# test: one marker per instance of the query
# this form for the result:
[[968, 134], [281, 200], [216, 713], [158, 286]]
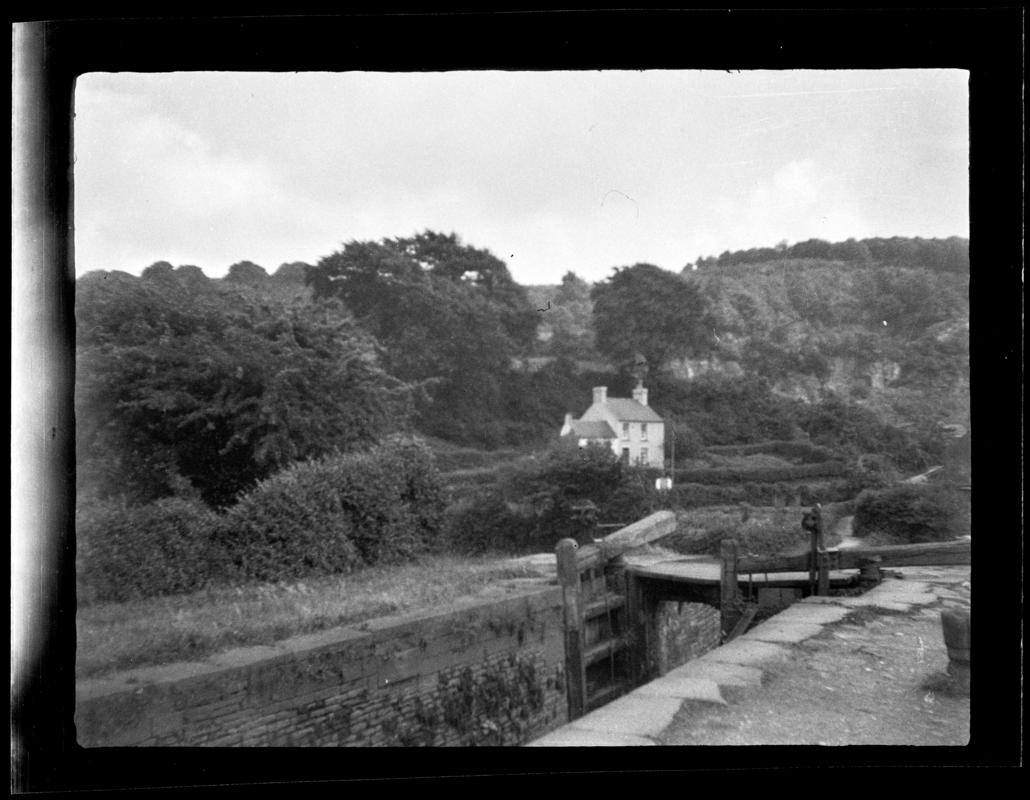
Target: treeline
[[949, 255], [196, 387], [260, 426]]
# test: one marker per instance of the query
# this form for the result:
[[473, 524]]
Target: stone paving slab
[[786, 632], [633, 715], [918, 599], [883, 602], [684, 688], [747, 653], [722, 674], [820, 600], [571, 736], [812, 614]]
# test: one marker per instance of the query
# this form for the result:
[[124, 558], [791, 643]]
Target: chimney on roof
[[601, 394], [640, 394], [568, 419]]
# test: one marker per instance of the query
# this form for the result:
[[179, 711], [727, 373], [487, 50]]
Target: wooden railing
[[820, 562], [603, 624]]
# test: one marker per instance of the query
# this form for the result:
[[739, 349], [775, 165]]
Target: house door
[[625, 455]]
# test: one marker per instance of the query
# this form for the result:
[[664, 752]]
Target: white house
[[630, 427]]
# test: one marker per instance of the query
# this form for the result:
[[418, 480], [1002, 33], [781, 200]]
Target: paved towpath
[[867, 669]]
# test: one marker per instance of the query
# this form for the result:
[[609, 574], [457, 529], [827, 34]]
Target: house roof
[[632, 411], [591, 429]]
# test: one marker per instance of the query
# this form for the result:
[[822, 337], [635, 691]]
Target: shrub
[[337, 513], [912, 513], [532, 506], [422, 493], [293, 524], [851, 430], [687, 442], [169, 546], [754, 537], [484, 523], [870, 472]]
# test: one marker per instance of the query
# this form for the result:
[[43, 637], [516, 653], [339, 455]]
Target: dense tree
[[449, 316], [570, 320], [726, 410], [293, 272], [194, 388], [646, 310], [853, 430], [478, 270], [248, 273], [945, 255]]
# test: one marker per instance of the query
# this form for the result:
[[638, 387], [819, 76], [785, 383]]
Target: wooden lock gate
[[609, 605], [604, 629]]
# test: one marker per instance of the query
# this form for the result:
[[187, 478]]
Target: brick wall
[[685, 631], [473, 673], [486, 672]]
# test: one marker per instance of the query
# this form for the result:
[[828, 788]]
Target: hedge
[[467, 458], [478, 476], [165, 547], [722, 476], [320, 517], [337, 513], [698, 495], [806, 451], [484, 522]]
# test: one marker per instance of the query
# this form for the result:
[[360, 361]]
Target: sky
[[550, 171]]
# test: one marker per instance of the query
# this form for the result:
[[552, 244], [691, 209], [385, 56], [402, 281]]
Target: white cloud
[[799, 201], [147, 187], [551, 171]]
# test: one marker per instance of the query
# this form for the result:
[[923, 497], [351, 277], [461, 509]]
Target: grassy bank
[[118, 636]]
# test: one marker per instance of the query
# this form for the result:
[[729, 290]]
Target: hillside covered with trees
[[213, 384], [198, 396]]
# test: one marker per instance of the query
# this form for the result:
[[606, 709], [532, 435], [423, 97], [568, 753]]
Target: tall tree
[[647, 310], [448, 315], [187, 386]]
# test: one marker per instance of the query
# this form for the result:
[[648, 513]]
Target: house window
[[643, 431], [625, 430], [643, 455]]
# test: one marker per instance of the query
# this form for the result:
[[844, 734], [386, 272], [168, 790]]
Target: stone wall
[[486, 672], [685, 632], [474, 673]]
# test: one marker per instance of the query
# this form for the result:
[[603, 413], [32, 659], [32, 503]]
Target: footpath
[[867, 669]]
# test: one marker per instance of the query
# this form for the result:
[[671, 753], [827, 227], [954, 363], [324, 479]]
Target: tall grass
[[117, 636], [759, 530]]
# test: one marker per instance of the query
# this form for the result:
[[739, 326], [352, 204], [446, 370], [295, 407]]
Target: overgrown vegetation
[[531, 507], [912, 513], [322, 517], [193, 387], [115, 636], [760, 531]]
